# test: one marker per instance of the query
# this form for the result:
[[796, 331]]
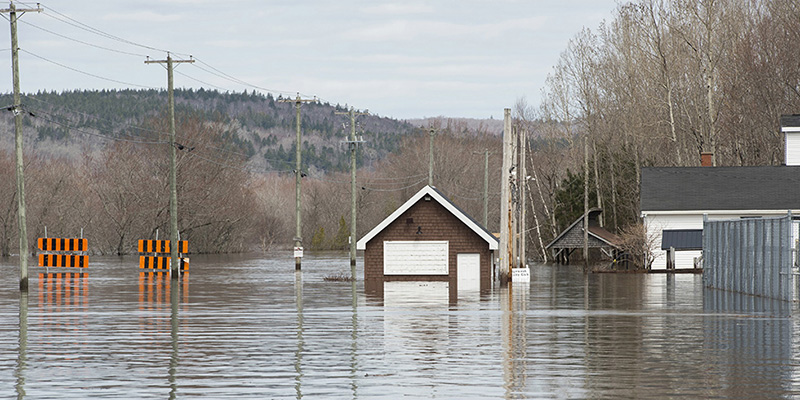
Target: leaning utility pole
[[298, 238], [17, 109], [352, 143], [175, 267]]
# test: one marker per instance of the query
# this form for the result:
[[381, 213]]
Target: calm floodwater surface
[[250, 327]]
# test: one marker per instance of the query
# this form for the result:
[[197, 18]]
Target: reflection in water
[[22, 358], [515, 338], [250, 333], [154, 287], [63, 289], [354, 341], [751, 340], [298, 354], [174, 296]]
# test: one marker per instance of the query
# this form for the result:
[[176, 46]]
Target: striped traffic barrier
[[63, 260], [161, 246], [63, 244], [161, 263], [63, 252], [154, 255]]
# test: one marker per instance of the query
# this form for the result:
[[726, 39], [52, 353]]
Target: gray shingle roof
[[720, 188], [792, 120]]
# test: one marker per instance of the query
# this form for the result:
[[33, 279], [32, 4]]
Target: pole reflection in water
[[298, 354], [515, 338], [153, 290], [174, 297], [22, 358], [354, 341]]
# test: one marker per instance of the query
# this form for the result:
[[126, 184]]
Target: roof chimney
[[706, 159]]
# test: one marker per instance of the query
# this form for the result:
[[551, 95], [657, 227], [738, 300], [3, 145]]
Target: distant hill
[[491, 126], [259, 126]]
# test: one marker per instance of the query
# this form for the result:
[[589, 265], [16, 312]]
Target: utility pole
[[17, 109], [353, 143], [515, 179], [298, 238], [523, 184], [430, 159], [175, 267], [505, 253]]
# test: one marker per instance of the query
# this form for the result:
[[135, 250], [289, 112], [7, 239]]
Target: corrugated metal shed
[[682, 239]]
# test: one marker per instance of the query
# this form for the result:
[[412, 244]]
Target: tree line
[[117, 193], [660, 83]]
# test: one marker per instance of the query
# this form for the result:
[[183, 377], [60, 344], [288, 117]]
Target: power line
[[92, 116], [39, 114], [86, 73], [80, 25], [83, 42], [216, 72], [396, 189], [182, 137], [210, 69]]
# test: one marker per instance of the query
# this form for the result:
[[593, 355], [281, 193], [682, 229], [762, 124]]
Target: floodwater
[[250, 327]]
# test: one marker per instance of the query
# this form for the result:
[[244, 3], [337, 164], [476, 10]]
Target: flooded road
[[250, 327]]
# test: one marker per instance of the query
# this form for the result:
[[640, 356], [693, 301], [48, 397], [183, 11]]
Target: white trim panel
[[416, 257], [792, 148], [428, 191]]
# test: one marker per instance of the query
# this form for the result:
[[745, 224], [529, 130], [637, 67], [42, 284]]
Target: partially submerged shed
[[571, 239], [429, 239]]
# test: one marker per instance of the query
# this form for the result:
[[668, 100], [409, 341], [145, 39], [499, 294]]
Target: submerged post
[[298, 174], [175, 267], [352, 144], [17, 110]]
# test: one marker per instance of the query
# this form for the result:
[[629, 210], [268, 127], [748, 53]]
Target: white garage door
[[415, 258], [469, 271]]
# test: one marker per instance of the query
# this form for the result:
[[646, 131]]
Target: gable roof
[[442, 200], [596, 232], [720, 188]]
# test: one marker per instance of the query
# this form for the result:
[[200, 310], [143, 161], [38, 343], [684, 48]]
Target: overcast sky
[[401, 59]]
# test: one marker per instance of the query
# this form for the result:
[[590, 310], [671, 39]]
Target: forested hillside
[[258, 126], [97, 162]]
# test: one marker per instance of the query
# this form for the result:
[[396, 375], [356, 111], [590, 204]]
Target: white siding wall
[[415, 258], [657, 222], [792, 148]]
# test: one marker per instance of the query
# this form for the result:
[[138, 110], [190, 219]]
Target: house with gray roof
[[673, 200]]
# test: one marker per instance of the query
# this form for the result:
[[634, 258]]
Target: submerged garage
[[429, 238]]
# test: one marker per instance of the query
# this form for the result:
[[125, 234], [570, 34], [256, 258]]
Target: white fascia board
[[789, 129], [714, 212], [427, 190]]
